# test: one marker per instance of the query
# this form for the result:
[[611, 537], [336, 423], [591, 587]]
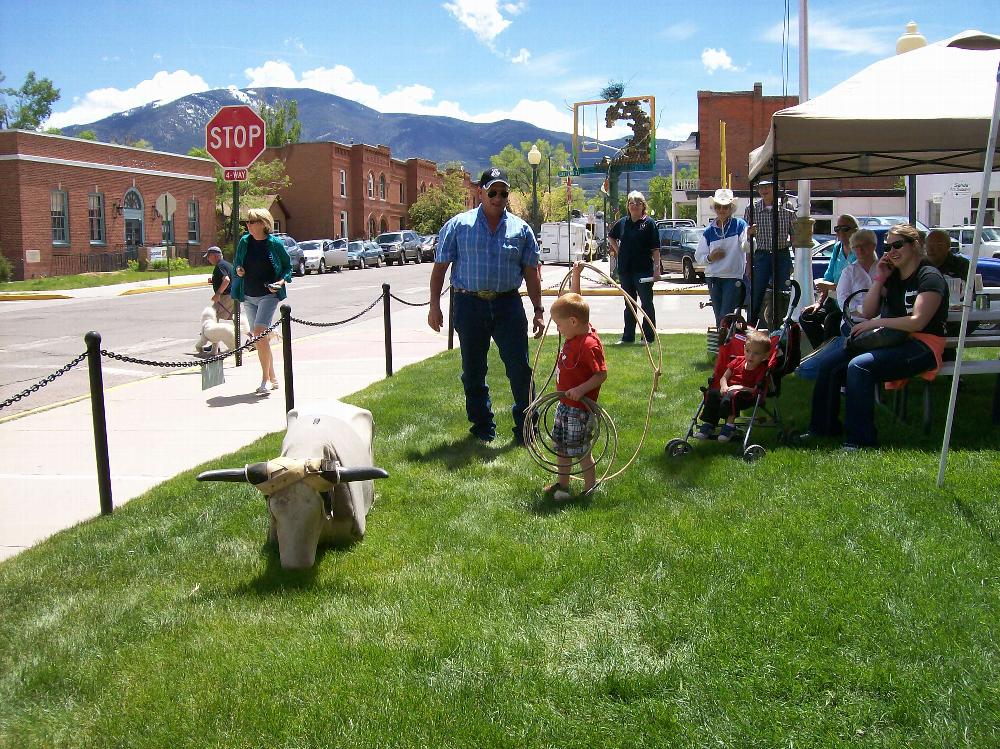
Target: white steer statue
[[321, 488]]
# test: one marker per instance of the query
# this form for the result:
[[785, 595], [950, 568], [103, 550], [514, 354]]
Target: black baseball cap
[[490, 176], [210, 250]]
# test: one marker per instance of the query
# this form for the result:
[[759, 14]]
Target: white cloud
[[543, 114], [103, 102], [828, 32], [680, 31], [717, 59], [486, 21], [676, 131]]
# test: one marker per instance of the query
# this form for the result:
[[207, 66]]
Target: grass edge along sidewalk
[[812, 597]]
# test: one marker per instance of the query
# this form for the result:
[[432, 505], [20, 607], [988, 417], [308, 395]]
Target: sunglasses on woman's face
[[898, 243], [254, 221], [502, 193], [844, 228]]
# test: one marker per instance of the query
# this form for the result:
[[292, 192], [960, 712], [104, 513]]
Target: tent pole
[[779, 197], [970, 281]]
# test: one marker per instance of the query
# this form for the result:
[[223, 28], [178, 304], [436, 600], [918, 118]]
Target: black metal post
[[387, 321], [93, 340], [451, 318], [286, 355], [234, 228], [911, 195]]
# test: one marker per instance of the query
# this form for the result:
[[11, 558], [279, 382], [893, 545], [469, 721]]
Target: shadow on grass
[[277, 580], [460, 452], [546, 505]]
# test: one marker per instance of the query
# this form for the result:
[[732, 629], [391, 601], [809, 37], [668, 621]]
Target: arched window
[[381, 186], [371, 185], [133, 199], [371, 227], [383, 226]]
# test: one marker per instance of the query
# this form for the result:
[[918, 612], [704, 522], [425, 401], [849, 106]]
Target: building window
[[401, 196], [991, 210], [371, 185], [423, 188], [343, 183], [194, 226], [59, 208], [95, 214], [371, 227], [343, 224], [402, 223], [381, 186], [277, 225]]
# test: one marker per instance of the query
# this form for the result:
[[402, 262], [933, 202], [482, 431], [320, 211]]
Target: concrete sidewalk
[[163, 425]]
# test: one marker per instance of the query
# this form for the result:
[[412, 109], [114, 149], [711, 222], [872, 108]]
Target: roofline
[[108, 145]]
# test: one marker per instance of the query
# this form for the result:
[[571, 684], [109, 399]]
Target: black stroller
[[784, 358]]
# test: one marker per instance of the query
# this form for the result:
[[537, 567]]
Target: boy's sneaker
[[726, 433], [704, 432]]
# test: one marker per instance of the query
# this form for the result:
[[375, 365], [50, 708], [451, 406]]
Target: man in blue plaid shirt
[[491, 252]]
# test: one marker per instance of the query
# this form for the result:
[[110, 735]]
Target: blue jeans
[[762, 277], [725, 294], [861, 373], [477, 321], [630, 285]]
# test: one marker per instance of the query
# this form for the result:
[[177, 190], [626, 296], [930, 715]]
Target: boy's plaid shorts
[[572, 430]]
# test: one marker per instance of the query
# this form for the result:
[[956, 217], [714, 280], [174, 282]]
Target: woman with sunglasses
[[635, 242], [907, 294], [821, 319], [262, 269]]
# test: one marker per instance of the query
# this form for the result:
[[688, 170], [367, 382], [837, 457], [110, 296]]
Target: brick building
[[354, 191], [69, 205], [747, 115]]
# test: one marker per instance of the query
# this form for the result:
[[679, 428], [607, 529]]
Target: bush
[[132, 264], [6, 269], [177, 263]]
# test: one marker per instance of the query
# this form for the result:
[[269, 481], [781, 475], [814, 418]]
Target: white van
[[964, 234], [560, 242]]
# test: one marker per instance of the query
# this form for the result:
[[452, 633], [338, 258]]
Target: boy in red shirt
[[581, 372], [736, 387]]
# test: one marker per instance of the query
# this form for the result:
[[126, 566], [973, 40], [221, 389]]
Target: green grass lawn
[[811, 599], [90, 280]]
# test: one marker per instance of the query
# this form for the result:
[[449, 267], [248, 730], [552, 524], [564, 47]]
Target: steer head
[[320, 489]]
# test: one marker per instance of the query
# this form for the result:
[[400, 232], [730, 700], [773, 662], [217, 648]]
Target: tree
[[87, 135], [432, 209], [32, 103], [281, 123], [659, 198], [52, 131]]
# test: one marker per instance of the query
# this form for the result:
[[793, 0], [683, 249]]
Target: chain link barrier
[[185, 364], [43, 382], [311, 324]]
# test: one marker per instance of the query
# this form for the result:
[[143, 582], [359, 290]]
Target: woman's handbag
[[876, 338]]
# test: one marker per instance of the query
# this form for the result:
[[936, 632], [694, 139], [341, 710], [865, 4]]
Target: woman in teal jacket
[[262, 269]]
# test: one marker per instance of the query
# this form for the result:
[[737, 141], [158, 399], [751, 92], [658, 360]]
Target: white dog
[[216, 332]]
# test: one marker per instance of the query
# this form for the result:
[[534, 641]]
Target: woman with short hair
[[907, 294], [721, 250], [262, 270], [635, 242]]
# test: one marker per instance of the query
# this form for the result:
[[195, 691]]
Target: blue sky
[[479, 60]]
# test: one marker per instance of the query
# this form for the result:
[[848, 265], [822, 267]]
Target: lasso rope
[[541, 445]]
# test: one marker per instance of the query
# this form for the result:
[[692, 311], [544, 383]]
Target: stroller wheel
[[754, 452], [678, 448]]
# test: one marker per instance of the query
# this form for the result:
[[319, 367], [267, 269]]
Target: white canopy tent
[[932, 110]]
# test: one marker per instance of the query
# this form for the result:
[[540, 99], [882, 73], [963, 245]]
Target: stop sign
[[234, 137]]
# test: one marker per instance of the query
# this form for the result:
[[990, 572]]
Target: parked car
[[677, 248], [873, 222], [330, 255], [400, 246], [373, 254], [356, 254], [294, 253], [673, 222], [428, 246], [962, 239]]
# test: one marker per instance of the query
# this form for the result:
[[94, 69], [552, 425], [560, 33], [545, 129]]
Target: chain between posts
[[43, 382], [310, 324], [184, 364]]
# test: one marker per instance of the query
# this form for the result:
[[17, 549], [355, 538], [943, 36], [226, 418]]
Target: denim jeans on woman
[[725, 294], [861, 373]]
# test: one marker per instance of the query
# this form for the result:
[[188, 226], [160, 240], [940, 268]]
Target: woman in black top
[[908, 294], [635, 242]]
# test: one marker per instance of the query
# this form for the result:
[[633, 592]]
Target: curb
[[15, 297], [150, 289]]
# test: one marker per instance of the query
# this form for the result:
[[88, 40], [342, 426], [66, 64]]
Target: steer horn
[[258, 473]]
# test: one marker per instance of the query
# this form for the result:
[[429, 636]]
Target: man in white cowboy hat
[[491, 252], [721, 251]]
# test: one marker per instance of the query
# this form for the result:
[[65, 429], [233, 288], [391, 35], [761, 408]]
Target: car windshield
[[991, 234], [355, 247], [311, 244], [690, 237], [389, 238]]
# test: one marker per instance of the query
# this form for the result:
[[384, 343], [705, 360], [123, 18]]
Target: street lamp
[[534, 158]]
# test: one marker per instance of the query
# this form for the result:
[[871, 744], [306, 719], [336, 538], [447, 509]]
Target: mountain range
[[179, 125]]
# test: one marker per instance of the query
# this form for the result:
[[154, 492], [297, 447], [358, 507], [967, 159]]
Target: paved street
[[39, 337]]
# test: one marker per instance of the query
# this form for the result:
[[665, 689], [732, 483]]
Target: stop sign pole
[[235, 137]]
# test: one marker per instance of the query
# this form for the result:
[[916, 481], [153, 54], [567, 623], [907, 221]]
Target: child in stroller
[[736, 388]]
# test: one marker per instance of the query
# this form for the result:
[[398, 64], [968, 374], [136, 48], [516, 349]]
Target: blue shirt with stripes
[[484, 260]]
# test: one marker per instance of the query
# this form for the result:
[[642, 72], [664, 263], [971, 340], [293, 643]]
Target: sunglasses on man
[[502, 193], [898, 243]]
